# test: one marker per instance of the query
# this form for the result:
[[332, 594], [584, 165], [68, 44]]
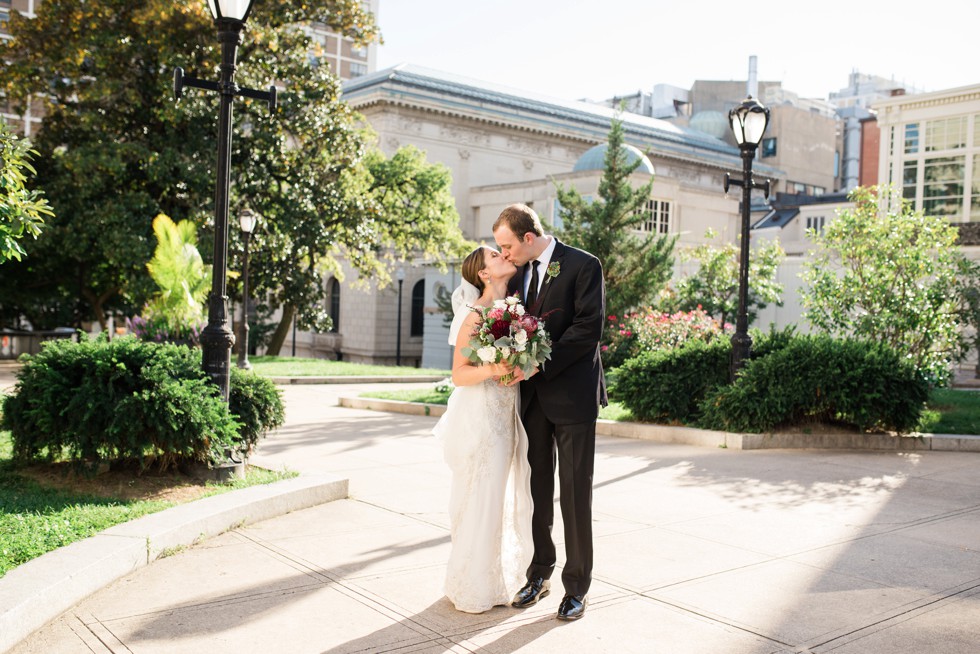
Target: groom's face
[[516, 250]]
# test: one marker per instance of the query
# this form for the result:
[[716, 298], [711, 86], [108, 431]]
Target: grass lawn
[[297, 367], [947, 412], [614, 411], [951, 411], [44, 507]]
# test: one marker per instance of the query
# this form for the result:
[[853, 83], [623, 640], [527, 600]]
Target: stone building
[[505, 146]]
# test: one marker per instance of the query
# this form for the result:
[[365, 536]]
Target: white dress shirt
[[543, 260]]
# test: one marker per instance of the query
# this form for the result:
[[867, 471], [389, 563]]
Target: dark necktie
[[532, 290]]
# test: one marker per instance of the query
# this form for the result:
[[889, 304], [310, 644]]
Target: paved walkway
[[698, 550]]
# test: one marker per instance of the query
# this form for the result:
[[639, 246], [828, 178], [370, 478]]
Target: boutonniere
[[554, 269]]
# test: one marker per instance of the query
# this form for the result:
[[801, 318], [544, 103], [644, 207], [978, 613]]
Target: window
[[797, 187], [910, 179], [4, 16], [942, 186], [947, 134], [418, 308], [333, 303], [911, 138], [769, 147], [815, 223], [358, 70], [975, 201], [658, 220]]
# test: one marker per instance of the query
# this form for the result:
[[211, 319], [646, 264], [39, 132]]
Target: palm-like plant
[[183, 279]]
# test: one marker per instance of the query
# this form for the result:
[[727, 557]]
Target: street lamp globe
[[230, 9], [749, 121], [247, 220]]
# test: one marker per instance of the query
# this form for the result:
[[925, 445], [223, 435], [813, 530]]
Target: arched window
[[333, 303], [418, 304]]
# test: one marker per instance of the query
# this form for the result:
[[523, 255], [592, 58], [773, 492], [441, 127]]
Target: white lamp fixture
[[230, 9], [247, 219], [749, 121]]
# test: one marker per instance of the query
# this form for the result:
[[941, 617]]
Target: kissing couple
[[503, 437]]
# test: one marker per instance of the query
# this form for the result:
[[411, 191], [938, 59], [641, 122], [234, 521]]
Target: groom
[[559, 403]]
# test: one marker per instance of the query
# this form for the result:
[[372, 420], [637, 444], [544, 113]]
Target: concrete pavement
[[697, 550]]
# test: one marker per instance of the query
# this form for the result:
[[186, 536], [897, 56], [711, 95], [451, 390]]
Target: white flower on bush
[[487, 354], [520, 340]]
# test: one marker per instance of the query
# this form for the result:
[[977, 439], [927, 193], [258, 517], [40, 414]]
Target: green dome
[[595, 159]]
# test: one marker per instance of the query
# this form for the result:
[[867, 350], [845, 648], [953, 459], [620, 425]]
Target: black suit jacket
[[571, 385]]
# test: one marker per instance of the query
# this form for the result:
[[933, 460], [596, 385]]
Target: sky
[[589, 49]]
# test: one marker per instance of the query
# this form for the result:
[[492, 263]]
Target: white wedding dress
[[485, 446]]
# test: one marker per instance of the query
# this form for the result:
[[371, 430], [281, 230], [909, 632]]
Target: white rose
[[511, 300], [520, 340], [499, 304], [505, 352], [487, 354], [519, 309]]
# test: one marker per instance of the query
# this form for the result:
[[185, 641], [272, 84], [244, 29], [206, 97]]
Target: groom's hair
[[521, 219], [472, 265]]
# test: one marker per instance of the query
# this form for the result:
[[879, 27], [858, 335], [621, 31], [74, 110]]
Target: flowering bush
[[157, 330], [507, 333], [651, 331]]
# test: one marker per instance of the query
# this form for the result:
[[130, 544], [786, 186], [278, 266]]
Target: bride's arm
[[465, 372]]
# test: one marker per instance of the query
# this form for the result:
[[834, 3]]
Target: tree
[[968, 294], [714, 285], [117, 151], [885, 272], [21, 209], [635, 267]]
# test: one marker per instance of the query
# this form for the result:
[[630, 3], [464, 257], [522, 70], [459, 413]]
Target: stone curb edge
[[707, 438], [381, 379], [33, 594]]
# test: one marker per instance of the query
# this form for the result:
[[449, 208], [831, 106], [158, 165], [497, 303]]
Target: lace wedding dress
[[485, 446]]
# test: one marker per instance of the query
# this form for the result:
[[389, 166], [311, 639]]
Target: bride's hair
[[474, 262]]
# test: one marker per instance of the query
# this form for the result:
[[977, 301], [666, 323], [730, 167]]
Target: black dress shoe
[[572, 607], [533, 590]]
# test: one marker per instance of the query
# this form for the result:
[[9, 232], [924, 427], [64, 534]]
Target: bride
[[486, 450]]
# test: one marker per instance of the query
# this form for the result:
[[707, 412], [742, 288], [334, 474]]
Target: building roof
[[414, 85], [777, 218]]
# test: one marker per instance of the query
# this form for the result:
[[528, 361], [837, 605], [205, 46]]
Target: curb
[[33, 594], [732, 441], [381, 379]]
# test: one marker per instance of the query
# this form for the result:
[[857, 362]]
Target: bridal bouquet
[[507, 333]]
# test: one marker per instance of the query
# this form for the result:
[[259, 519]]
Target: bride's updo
[[474, 262]]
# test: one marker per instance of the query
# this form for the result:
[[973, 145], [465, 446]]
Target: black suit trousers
[[573, 447]]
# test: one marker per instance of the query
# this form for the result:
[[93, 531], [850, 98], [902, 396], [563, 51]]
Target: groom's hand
[[519, 376]]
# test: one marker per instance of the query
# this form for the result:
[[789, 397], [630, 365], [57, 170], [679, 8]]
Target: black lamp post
[[217, 337], [247, 221], [749, 121], [400, 276]]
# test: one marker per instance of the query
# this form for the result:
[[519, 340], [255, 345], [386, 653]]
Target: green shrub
[[667, 384], [98, 400], [257, 405], [817, 378]]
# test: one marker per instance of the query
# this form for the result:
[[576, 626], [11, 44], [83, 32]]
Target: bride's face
[[495, 264]]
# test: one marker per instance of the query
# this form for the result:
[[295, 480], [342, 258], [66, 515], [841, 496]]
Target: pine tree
[[636, 266]]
